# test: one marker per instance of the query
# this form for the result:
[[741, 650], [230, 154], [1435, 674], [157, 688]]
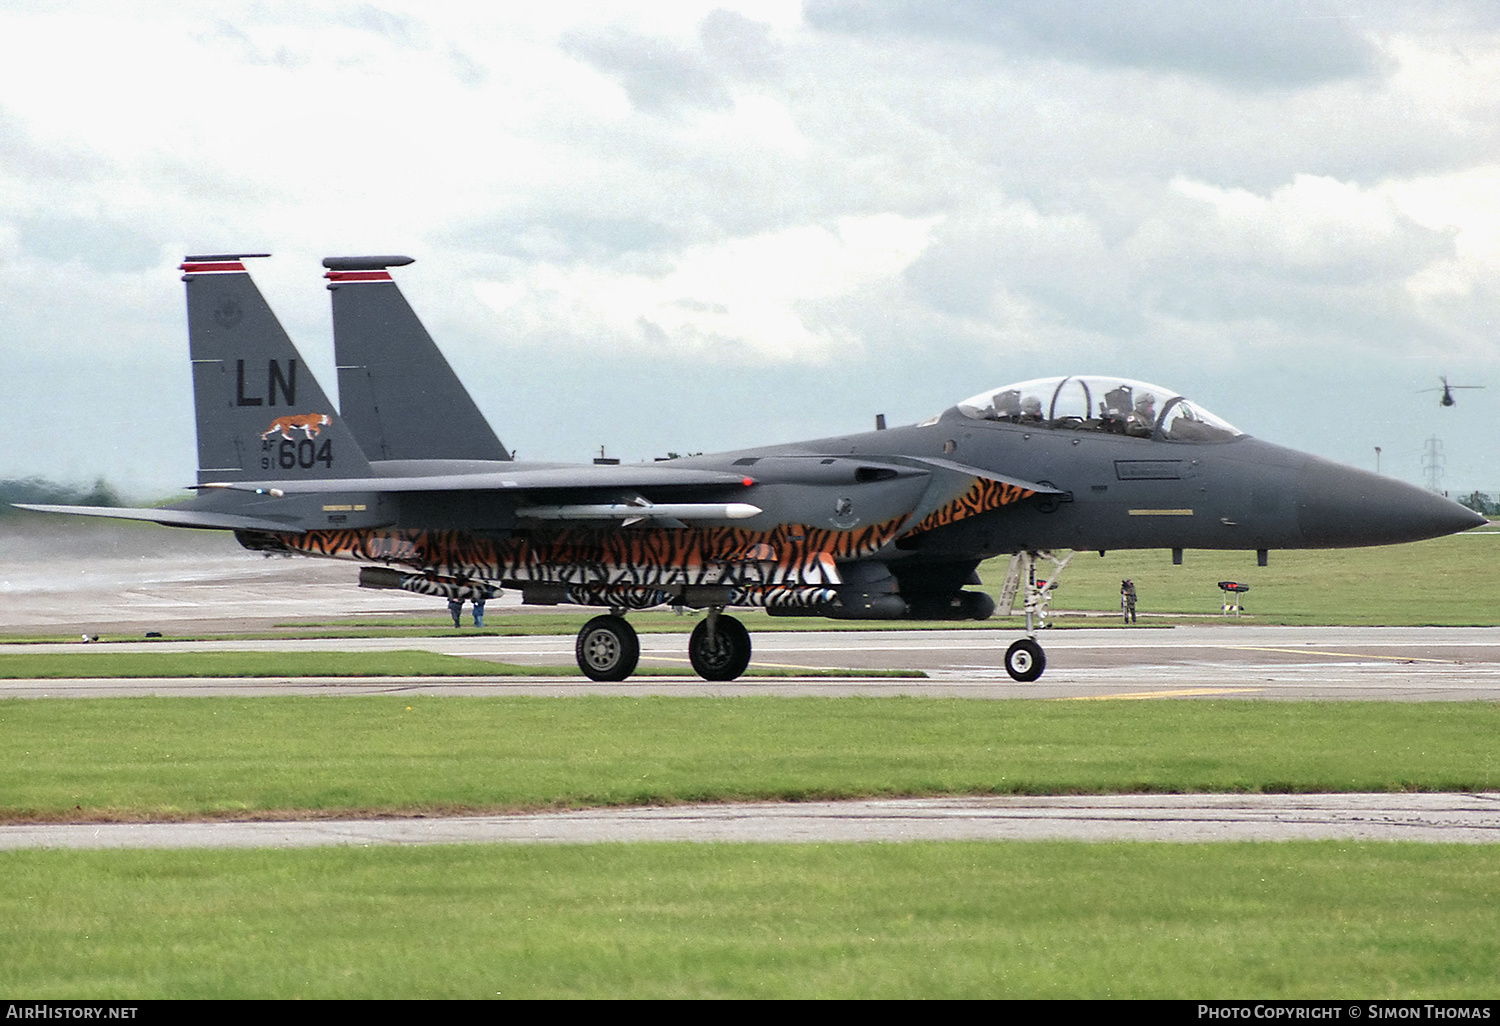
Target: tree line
[[39, 489]]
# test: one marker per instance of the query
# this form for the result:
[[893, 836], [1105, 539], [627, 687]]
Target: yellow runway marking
[[1179, 693], [1345, 655]]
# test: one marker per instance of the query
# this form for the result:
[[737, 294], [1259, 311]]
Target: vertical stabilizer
[[261, 414], [396, 391]]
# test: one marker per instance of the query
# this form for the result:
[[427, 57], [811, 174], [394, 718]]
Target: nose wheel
[[607, 648], [1025, 661]]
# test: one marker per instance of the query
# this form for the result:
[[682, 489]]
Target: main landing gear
[[608, 648], [719, 648], [1025, 660]]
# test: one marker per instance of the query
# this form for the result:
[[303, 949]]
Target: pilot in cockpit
[[1114, 410], [1031, 410], [1142, 420], [1007, 405]]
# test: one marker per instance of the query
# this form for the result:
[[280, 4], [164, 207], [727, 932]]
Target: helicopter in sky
[[1447, 390]]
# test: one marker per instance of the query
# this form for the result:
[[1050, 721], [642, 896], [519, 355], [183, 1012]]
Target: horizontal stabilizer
[[169, 517]]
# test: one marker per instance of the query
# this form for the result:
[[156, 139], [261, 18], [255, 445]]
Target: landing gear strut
[[607, 648], [1025, 660], [719, 648]]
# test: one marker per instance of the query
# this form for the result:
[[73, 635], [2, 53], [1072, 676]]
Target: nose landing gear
[[1025, 660]]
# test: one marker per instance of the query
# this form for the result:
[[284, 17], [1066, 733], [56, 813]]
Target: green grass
[[1046, 920], [1448, 581], [142, 758]]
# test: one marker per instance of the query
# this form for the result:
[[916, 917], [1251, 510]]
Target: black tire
[[729, 654], [1025, 661], [607, 648]]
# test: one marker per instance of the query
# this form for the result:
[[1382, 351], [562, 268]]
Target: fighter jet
[[887, 524]]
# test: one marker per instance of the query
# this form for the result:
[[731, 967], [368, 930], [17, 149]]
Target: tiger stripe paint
[[789, 555], [791, 565], [982, 497]]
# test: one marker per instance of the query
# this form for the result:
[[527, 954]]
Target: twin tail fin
[[261, 414], [398, 394]]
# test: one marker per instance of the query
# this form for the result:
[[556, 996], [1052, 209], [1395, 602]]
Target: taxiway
[[1451, 818]]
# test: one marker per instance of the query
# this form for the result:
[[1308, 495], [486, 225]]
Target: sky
[[691, 227]]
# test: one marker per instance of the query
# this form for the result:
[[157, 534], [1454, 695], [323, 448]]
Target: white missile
[[633, 512]]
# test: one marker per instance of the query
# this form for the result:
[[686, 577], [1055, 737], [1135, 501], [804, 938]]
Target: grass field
[[1447, 581], [143, 758], [1290, 920]]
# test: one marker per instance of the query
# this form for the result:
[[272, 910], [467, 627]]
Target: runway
[[1191, 662], [1438, 818]]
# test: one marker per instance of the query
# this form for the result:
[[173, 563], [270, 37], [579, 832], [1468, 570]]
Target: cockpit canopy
[[1109, 405]]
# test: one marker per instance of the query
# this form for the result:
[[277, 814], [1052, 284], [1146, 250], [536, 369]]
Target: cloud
[[1246, 44], [675, 199], [656, 75], [94, 242], [744, 299], [660, 76], [1206, 272], [1314, 227], [567, 237], [737, 45], [402, 29]]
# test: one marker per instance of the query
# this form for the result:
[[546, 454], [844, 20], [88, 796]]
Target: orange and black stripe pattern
[[789, 554], [982, 497], [758, 564]]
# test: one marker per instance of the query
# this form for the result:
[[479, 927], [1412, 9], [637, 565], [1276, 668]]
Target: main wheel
[[607, 648], [726, 657], [1024, 660]]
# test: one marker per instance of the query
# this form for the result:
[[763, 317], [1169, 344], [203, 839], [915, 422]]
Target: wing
[[169, 516]]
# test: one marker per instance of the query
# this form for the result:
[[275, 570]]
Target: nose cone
[[1339, 506]]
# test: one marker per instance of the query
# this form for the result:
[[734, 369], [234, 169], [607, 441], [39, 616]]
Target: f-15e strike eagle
[[408, 478]]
